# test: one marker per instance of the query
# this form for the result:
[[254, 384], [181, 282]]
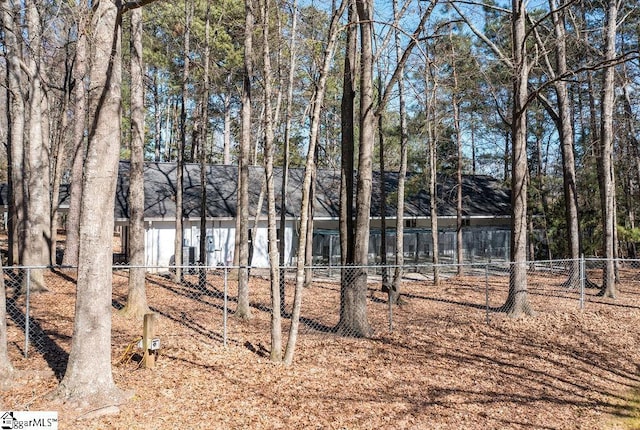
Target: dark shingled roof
[[482, 196], [63, 197]]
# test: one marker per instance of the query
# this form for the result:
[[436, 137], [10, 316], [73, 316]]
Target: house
[[486, 214]]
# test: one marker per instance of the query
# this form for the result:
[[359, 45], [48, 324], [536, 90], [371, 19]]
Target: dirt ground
[[440, 365]]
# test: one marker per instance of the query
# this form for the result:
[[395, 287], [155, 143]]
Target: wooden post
[[148, 332]]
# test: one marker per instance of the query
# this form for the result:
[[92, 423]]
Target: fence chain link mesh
[[335, 300]]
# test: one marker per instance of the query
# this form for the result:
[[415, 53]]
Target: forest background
[[542, 94]]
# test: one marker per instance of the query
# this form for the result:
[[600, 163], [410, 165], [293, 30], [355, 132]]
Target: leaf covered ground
[[443, 363]]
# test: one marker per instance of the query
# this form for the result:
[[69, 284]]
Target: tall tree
[[226, 149], [274, 258], [383, 197], [518, 300], [606, 152], [397, 78], [309, 172], [157, 114], [37, 213], [287, 147], [58, 123], [633, 150], [204, 133], [394, 291], [562, 117], [431, 85], [179, 239], [15, 136], [243, 309], [136, 305], [353, 306], [70, 257], [348, 142], [89, 379], [456, 103]]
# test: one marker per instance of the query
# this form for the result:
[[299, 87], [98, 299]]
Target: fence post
[[148, 333], [583, 274], [390, 309], [330, 254], [224, 310], [486, 290], [26, 316]]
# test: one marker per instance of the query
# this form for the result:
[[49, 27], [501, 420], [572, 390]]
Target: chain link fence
[[24, 328], [351, 300]]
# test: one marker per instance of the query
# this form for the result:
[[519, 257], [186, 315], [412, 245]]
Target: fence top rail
[[416, 265]]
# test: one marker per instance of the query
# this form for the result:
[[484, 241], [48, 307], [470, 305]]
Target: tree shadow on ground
[[531, 371], [193, 292], [477, 306], [54, 355], [197, 292]]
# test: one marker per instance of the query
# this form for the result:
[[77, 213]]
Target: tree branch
[[483, 37], [403, 60], [134, 4]]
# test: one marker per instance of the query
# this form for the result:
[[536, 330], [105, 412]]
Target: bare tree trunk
[[352, 242], [634, 157], [459, 242], [532, 251], [285, 151], [157, 117], [606, 155], [6, 368], [274, 258], [455, 101], [348, 142], [433, 162], [38, 211], [257, 133], [279, 87], [347, 162], [204, 134], [226, 150], [394, 292], [256, 218], [473, 146], [567, 145], [58, 166], [507, 151], [308, 257], [196, 128], [79, 126], [309, 171], [88, 379], [433, 193], [383, 200], [15, 152], [564, 124], [518, 301], [136, 305], [243, 310], [179, 238], [172, 123], [353, 310], [542, 204]]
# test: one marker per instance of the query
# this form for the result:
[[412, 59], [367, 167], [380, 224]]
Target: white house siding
[[260, 257], [160, 237]]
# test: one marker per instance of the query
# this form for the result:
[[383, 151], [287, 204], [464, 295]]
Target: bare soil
[[444, 363]]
